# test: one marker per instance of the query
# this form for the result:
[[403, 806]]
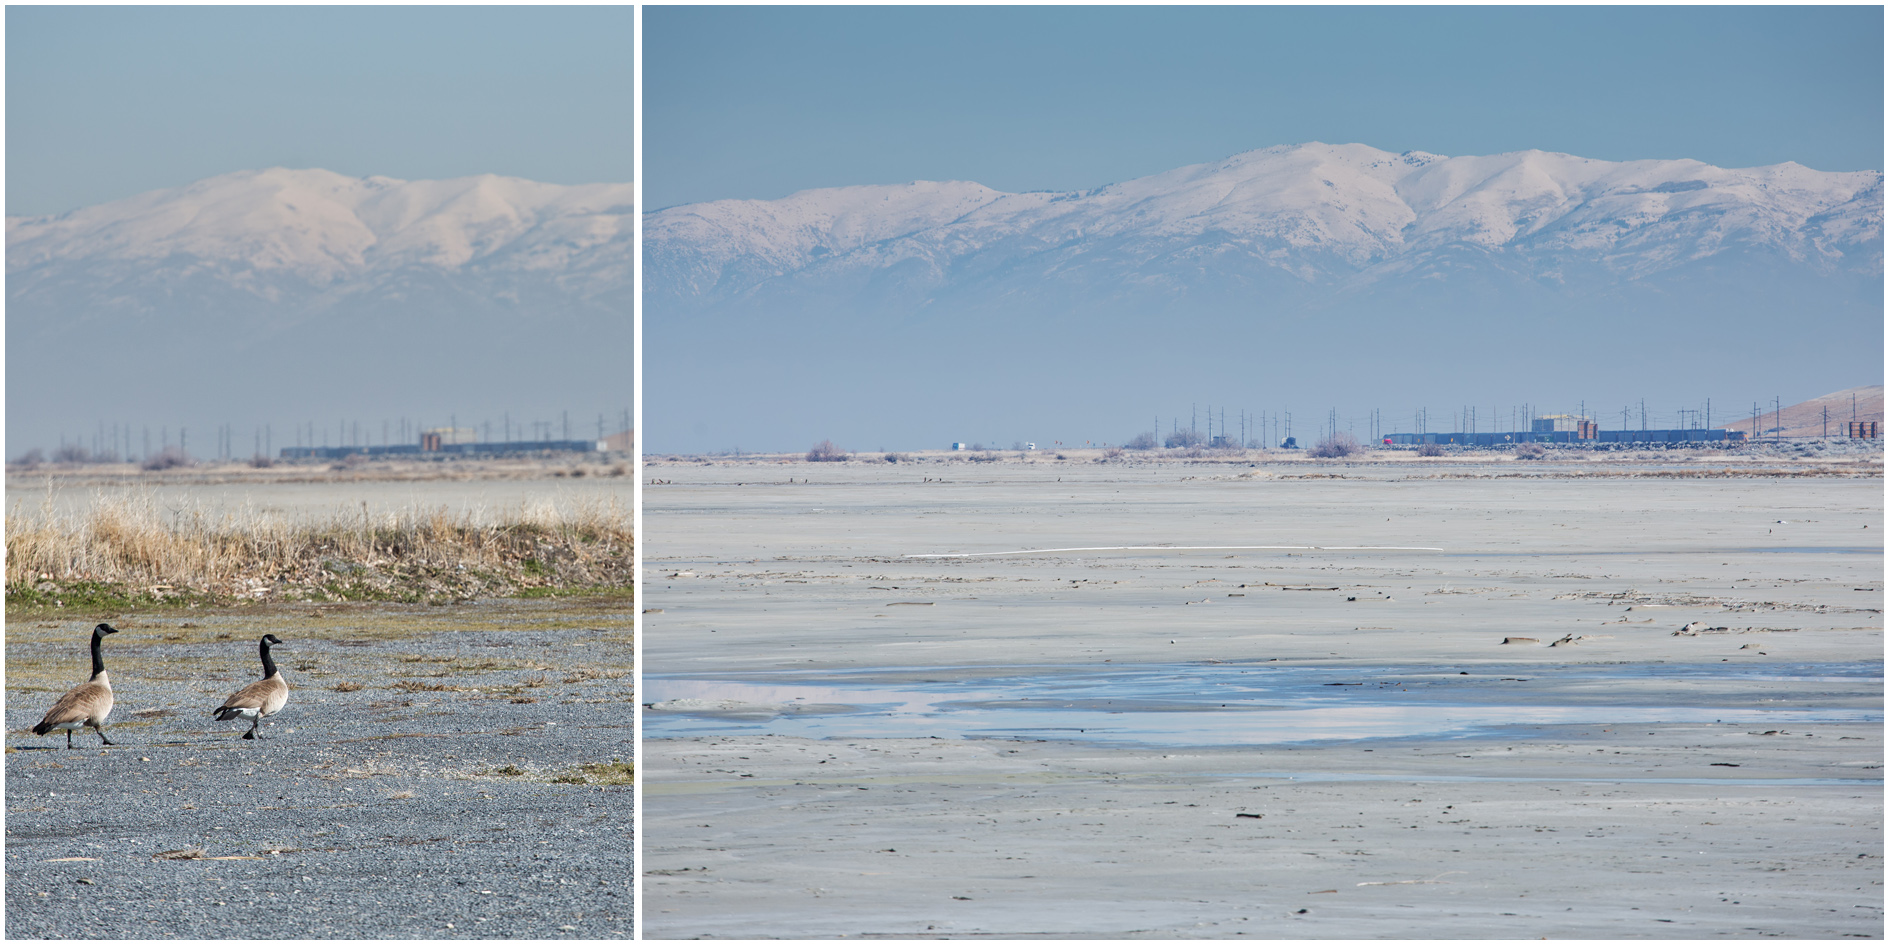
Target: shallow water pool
[[1227, 704]]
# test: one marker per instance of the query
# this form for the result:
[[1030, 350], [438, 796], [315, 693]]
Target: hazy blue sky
[[763, 101], [106, 102]]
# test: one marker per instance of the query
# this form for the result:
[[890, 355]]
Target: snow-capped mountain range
[[1338, 275], [312, 292], [316, 230], [1320, 214]]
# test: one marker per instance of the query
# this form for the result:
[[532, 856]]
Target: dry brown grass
[[586, 674], [414, 685], [127, 541]]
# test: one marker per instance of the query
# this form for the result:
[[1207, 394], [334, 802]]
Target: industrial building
[[442, 442], [1583, 432]]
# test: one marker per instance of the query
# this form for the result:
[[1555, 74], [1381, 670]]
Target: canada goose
[[87, 703], [260, 699]]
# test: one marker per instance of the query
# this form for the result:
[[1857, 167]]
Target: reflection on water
[[1230, 704]]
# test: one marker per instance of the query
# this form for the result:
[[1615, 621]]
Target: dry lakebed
[[1106, 700]]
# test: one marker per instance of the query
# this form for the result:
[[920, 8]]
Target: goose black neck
[[268, 662], [98, 661]]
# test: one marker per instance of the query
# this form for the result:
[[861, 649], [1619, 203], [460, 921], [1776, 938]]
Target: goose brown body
[[88, 703], [260, 699]]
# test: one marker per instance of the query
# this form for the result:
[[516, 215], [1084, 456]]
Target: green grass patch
[[606, 591], [611, 774], [49, 597]]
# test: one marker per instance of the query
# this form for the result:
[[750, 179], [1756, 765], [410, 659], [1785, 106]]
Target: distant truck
[[1289, 443]]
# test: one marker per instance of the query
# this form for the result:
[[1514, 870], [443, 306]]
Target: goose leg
[[68, 738], [100, 729], [253, 723]]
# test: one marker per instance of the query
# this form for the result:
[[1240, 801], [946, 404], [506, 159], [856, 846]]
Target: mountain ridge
[[1320, 213], [260, 295], [322, 227], [1339, 275]]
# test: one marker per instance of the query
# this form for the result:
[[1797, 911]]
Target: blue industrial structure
[[440, 450], [1566, 436]]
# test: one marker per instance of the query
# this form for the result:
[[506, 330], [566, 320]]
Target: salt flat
[[846, 741]]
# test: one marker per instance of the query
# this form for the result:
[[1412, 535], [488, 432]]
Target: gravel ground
[[395, 810]]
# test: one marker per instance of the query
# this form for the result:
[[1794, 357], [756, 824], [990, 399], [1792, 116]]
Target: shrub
[[1112, 453], [260, 461], [1143, 441], [897, 458], [168, 458], [72, 453], [826, 452], [1529, 451], [32, 458], [1185, 438], [1336, 446], [1430, 449]]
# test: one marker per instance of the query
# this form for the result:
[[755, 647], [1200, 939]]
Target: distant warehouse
[[1566, 435], [1563, 428], [444, 442]]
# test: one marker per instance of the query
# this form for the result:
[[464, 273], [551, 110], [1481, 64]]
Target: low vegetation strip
[[125, 549]]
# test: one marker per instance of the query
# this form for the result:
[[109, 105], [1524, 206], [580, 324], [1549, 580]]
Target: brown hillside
[[1807, 418]]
